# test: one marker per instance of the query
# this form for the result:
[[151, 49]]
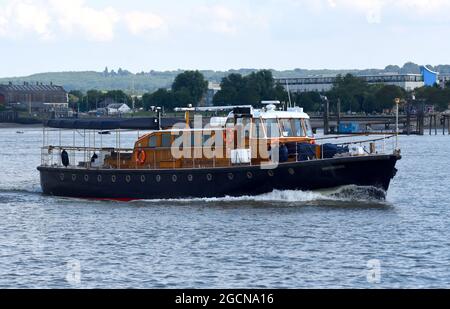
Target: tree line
[[190, 87]]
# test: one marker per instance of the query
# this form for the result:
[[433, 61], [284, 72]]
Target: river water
[[341, 238]]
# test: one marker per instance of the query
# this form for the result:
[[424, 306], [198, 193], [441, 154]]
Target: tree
[[231, 88], [160, 98], [249, 90], [193, 86], [385, 97], [91, 100], [352, 91], [435, 96], [119, 96], [310, 101], [75, 98]]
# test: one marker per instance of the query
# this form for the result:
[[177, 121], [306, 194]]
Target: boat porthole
[[74, 177], [190, 178], [230, 176], [249, 175], [61, 176], [291, 171], [113, 178], [99, 178], [174, 178], [158, 178], [86, 178], [271, 173], [142, 178], [128, 178], [209, 177]]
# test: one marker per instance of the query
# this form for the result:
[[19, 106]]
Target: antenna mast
[[289, 93]]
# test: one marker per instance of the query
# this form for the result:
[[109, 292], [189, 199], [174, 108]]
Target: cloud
[[20, 17], [56, 18], [373, 9], [219, 18], [141, 22], [230, 20], [75, 15]]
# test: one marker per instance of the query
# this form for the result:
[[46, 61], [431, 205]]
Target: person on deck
[[94, 157], [65, 158]]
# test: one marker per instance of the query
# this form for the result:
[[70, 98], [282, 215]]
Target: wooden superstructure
[[257, 131]]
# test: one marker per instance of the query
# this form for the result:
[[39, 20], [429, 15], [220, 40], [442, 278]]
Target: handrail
[[367, 141], [71, 148], [351, 135]]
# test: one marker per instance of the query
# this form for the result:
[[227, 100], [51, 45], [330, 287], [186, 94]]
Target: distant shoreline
[[8, 125]]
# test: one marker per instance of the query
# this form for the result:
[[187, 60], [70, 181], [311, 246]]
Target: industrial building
[[408, 82], [34, 97]]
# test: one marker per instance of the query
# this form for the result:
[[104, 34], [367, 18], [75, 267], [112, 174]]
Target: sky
[[142, 35]]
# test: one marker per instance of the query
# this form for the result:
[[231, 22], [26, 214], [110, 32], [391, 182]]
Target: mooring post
[[422, 123], [338, 116], [443, 124], [408, 119], [431, 123], [326, 119], [435, 125], [448, 123]]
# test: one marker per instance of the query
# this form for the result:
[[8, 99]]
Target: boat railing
[[96, 158], [83, 157]]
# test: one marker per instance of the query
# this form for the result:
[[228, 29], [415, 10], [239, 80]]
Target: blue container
[[351, 127]]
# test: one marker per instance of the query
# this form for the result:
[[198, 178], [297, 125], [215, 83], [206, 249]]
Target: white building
[[408, 82], [118, 109]]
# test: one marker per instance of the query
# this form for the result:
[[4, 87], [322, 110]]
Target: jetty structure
[[249, 152]]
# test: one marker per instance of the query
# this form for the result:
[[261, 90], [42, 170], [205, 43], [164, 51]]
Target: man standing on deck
[[65, 158]]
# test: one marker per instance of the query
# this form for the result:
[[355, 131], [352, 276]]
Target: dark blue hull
[[376, 171]]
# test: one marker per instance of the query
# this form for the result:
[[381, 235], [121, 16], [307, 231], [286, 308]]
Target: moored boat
[[254, 151]]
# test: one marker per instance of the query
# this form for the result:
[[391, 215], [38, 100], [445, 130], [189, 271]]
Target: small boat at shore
[[252, 152]]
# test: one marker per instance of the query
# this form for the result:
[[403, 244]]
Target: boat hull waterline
[[375, 171]]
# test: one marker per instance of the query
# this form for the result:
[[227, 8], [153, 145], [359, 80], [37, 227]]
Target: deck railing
[[122, 158]]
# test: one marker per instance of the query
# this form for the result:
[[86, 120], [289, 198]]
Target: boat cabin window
[[244, 124], [153, 141], [257, 130], [308, 128], [286, 128], [298, 128], [166, 140], [272, 128]]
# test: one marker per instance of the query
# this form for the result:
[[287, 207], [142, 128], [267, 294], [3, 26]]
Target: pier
[[417, 124]]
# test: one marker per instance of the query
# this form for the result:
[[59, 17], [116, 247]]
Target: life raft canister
[[141, 156]]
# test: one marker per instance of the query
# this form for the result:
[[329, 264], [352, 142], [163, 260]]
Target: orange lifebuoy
[[141, 157]]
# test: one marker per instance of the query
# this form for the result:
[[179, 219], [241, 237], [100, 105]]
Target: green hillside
[[150, 81]]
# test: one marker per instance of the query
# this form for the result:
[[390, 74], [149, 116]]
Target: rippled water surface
[[279, 240]]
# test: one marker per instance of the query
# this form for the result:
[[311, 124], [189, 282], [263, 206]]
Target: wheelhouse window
[[257, 130], [298, 128], [153, 141], [166, 140], [243, 124], [272, 128], [286, 128], [308, 128]]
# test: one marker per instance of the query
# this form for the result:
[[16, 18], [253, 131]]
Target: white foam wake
[[346, 193]]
